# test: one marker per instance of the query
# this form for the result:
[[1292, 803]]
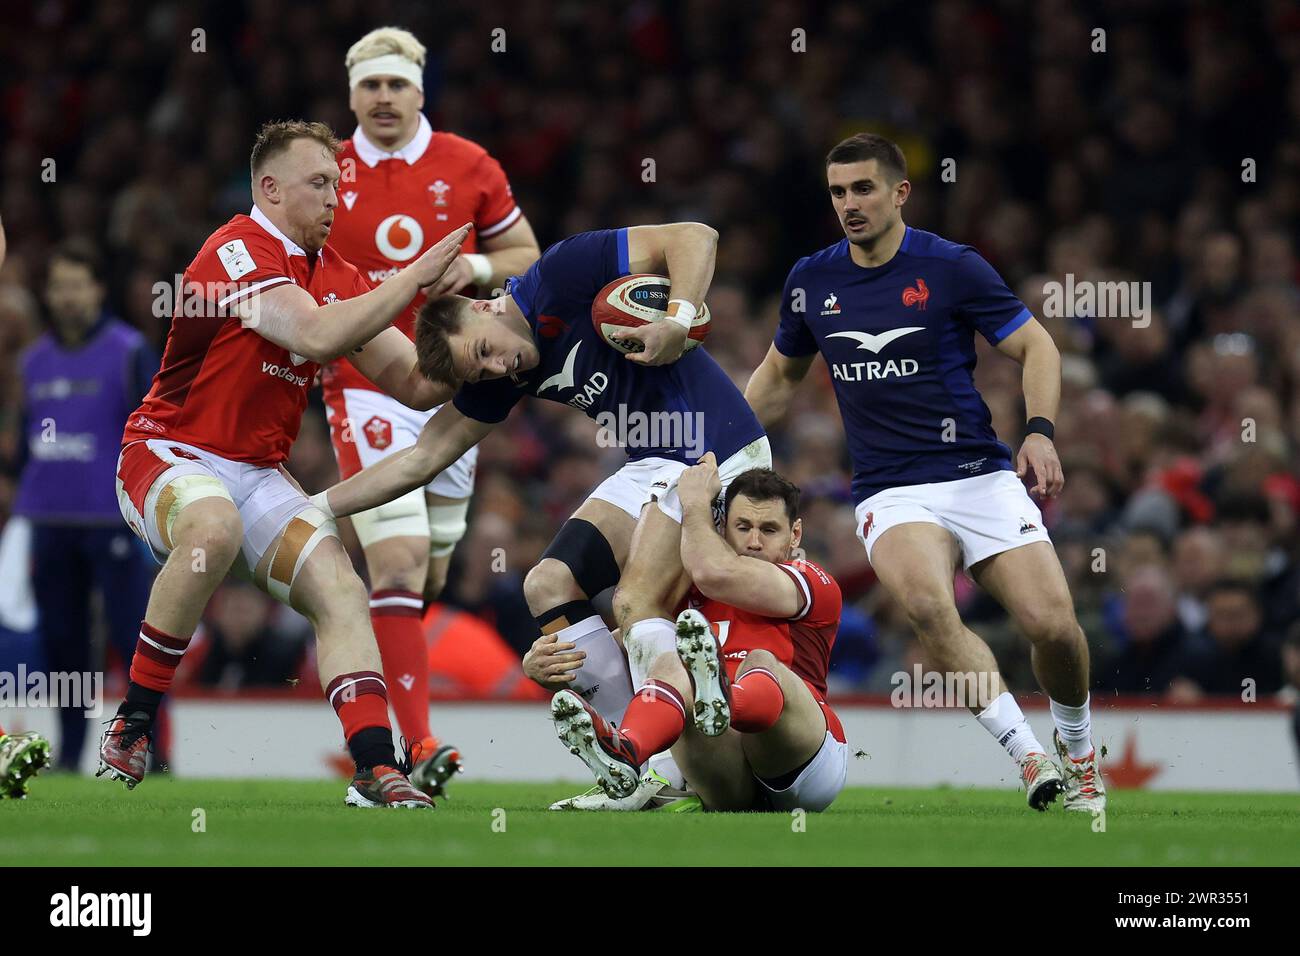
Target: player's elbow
[[1044, 343], [1031, 344], [710, 580], [702, 232], [316, 343], [418, 393]]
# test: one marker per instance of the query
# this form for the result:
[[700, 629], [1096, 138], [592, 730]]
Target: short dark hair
[[861, 147], [437, 319], [274, 138], [80, 252], [764, 484], [1232, 585]]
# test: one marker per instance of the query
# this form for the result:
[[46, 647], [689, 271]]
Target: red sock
[[756, 701], [361, 700], [153, 665], [395, 616], [655, 719]]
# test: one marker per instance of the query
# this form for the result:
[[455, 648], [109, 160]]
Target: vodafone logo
[[284, 372], [399, 238]]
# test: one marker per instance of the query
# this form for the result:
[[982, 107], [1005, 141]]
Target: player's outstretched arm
[[506, 254], [1032, 346], [288, 316], [685, 252], [773, 384], [445, 437], [389, 360], [716, 570]]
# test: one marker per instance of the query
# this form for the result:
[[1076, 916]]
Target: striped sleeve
[[498, 210], [805, 591], [244, 263]]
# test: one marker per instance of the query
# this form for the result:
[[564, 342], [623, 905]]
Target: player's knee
[[396, 569], [549, 584], [1050, 625], [932, 616], [212, 530], [760, 658]]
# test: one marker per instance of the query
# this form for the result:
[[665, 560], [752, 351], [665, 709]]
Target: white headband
[[391, 64]]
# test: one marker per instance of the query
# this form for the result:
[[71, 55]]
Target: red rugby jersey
[[394, 206], [803, 643], [222, 386]]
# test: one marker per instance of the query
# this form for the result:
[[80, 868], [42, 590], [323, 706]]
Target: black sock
[[140, 699], [372, 747]]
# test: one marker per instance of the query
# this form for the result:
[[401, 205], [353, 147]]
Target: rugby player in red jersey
[[201, 474], [405, 187], [742, 702]]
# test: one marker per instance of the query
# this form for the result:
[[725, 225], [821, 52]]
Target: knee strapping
[[180, 492], [400, 518], [292, 549], [447, 524], [583, 549]]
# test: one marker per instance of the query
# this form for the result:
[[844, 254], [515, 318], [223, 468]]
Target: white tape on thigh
[[400, 518], [174, 496], [447, 524], [292, 549]]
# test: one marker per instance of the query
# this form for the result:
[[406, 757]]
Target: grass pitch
[[75, 821]]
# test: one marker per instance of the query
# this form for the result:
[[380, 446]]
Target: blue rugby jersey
[[899, 340], [579, 368]]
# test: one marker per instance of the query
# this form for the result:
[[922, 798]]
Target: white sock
[[1005, 721], [1074, 726], [603, 679], [645, 642]]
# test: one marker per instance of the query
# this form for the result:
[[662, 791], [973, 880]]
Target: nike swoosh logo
[[564, 378], [874, 343]]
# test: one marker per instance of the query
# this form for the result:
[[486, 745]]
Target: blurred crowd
[[1170, 157]]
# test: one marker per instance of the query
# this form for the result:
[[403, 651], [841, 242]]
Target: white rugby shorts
[[988, 514]]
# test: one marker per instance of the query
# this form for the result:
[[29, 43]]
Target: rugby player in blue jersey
[[539, 340], [894, 311]]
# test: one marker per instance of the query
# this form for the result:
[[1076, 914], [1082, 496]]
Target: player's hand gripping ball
[[634, 302]]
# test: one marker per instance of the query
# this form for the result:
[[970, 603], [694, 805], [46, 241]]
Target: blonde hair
[[275, 138], [386, 41]]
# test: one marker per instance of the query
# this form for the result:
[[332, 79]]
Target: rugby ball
[[637, 300]]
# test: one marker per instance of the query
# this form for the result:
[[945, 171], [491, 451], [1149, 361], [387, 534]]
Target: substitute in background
[[79, 381]]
